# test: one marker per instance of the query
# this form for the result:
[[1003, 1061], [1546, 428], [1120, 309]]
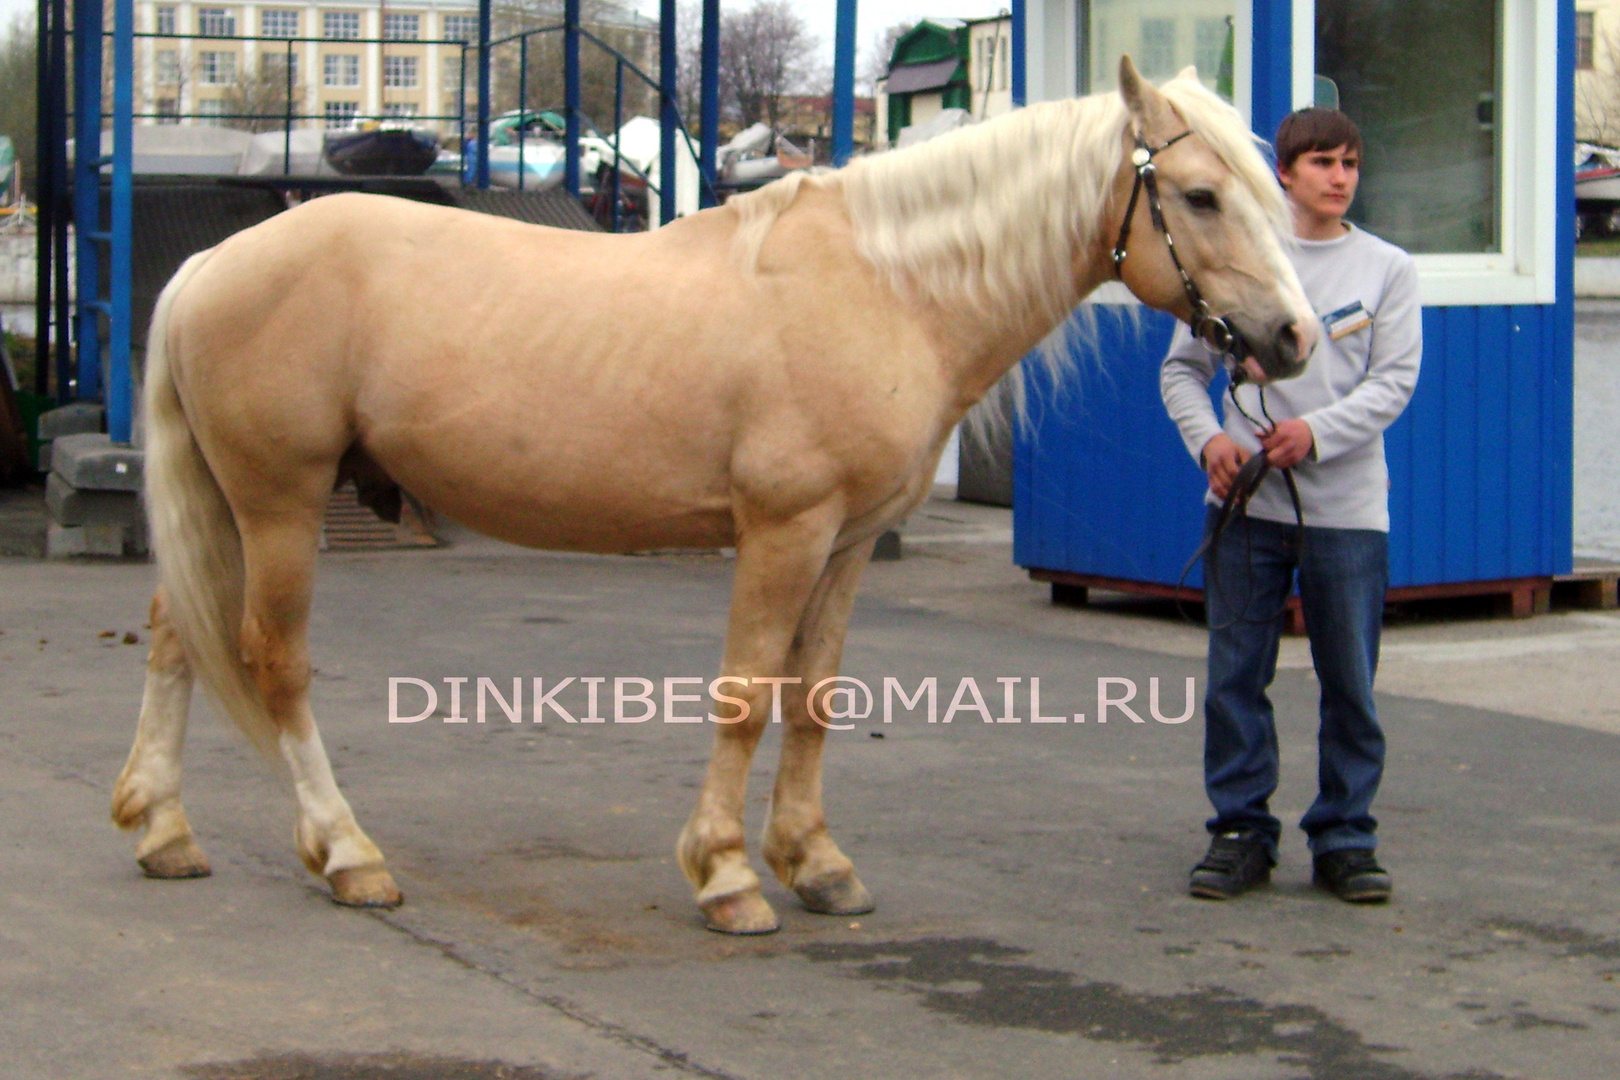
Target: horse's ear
[[1190, 73], [1130, 84], [1142, 98]]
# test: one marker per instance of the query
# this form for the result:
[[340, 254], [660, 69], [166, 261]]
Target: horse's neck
[[996, 243]]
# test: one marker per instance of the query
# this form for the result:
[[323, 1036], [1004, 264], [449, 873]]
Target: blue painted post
[[571, 94], [1272, 96], [120, 393], [87, 27], [523, 106], [668, 63], [843, 93], [481, 162], [1019, 43], [709, 97]]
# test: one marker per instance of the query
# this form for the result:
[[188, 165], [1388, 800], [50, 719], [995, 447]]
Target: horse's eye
[[1202, 199]]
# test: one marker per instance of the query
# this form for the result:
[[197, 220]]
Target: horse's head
[[1224, 218]]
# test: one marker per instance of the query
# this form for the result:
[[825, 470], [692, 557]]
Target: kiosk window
[[1428, 113], [1162, 36]]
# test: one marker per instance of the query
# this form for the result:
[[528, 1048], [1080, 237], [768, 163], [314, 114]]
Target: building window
[[402, 27], [399, 109], [1585, 37], [341, 114], [1157, 43], [216, 22], [276, 67], [1005, 61], [168, 110], [167, 67], [1158, 48], [340, 70], [340, 25], [1209, 46], [216, 68], [278, 24], [209, 111], [399, 72], [461, 27], [165, 20]]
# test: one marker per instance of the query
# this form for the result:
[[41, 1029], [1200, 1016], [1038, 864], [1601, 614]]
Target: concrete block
[[77, 418], [66, 541], [93, 463], [69, 506]]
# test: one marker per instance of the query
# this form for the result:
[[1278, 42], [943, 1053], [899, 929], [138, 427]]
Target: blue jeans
[[1343, 575]]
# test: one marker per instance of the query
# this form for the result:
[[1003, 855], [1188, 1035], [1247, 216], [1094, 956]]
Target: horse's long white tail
[[194, 535]]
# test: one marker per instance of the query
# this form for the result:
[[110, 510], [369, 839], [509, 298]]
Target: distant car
[[1597, 191]]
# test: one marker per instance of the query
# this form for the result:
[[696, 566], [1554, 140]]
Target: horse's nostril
[[1290, 342]]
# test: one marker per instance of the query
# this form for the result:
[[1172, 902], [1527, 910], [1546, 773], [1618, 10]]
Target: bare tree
[[18, 55], [259, 98], [766, 53], [877, 61], [606, 21], [1597, 96]]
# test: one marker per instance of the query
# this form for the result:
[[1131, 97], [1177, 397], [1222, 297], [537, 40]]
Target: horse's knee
[[167, 653], [279, 667]]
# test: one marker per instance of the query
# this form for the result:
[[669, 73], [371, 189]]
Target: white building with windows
[[339, 62]]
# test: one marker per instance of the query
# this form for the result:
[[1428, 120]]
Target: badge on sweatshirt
[[1347, 320]]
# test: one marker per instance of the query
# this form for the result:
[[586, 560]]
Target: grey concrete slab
[[68, 505], [74, 418], [1031, 920], [95, 463]]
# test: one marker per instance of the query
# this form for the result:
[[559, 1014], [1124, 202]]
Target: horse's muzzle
[[1279, 352]]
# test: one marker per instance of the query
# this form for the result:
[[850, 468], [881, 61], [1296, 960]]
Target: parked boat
[[382, 151]]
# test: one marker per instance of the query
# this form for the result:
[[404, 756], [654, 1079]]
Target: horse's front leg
[[778, 566], [797, 845], [148, 790]]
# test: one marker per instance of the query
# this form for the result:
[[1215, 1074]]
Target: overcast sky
[[875, 15]]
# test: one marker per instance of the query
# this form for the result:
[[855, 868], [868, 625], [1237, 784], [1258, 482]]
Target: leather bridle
[[1218, 332]]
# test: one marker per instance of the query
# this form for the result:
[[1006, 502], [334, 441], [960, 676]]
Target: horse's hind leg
[[279, 560], [778, 566], [148, 790], [797, 845]]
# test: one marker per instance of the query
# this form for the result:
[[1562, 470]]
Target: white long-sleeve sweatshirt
[[1353, 387]]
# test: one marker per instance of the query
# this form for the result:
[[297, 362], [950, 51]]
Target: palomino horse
[[779, 375]]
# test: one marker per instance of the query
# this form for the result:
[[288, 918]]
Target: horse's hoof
[[179, 858], [840, 896], [744, 912], [367, 887]]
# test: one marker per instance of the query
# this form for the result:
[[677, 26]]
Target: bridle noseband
[[1217, 332]]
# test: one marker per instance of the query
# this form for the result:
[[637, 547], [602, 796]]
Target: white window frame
[[336, 67], [446, 28], [401, 73], [164, 20], [216, 22], [270, 16], [340, 20], [401, 21], [216, 67], [1525, 270]]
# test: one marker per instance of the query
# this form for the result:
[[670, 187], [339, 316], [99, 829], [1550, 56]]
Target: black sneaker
[[1237, 861], [1352, 874]]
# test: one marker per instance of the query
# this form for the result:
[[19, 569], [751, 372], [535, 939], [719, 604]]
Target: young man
[[1327, 426]]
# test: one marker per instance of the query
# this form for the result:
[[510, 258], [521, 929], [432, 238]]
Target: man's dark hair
[[1315, 129]]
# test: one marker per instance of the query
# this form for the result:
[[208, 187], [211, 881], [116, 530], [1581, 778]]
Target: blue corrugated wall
[[1481, 464]]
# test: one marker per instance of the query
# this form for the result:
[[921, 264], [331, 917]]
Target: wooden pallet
[[350, 526], [1593, 586]]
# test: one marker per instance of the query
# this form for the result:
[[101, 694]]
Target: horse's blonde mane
[[999, 212]]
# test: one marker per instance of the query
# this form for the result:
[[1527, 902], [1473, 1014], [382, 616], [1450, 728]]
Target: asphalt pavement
[[1032, 918]]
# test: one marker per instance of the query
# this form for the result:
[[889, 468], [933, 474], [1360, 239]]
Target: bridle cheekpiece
[[1217, 332]]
